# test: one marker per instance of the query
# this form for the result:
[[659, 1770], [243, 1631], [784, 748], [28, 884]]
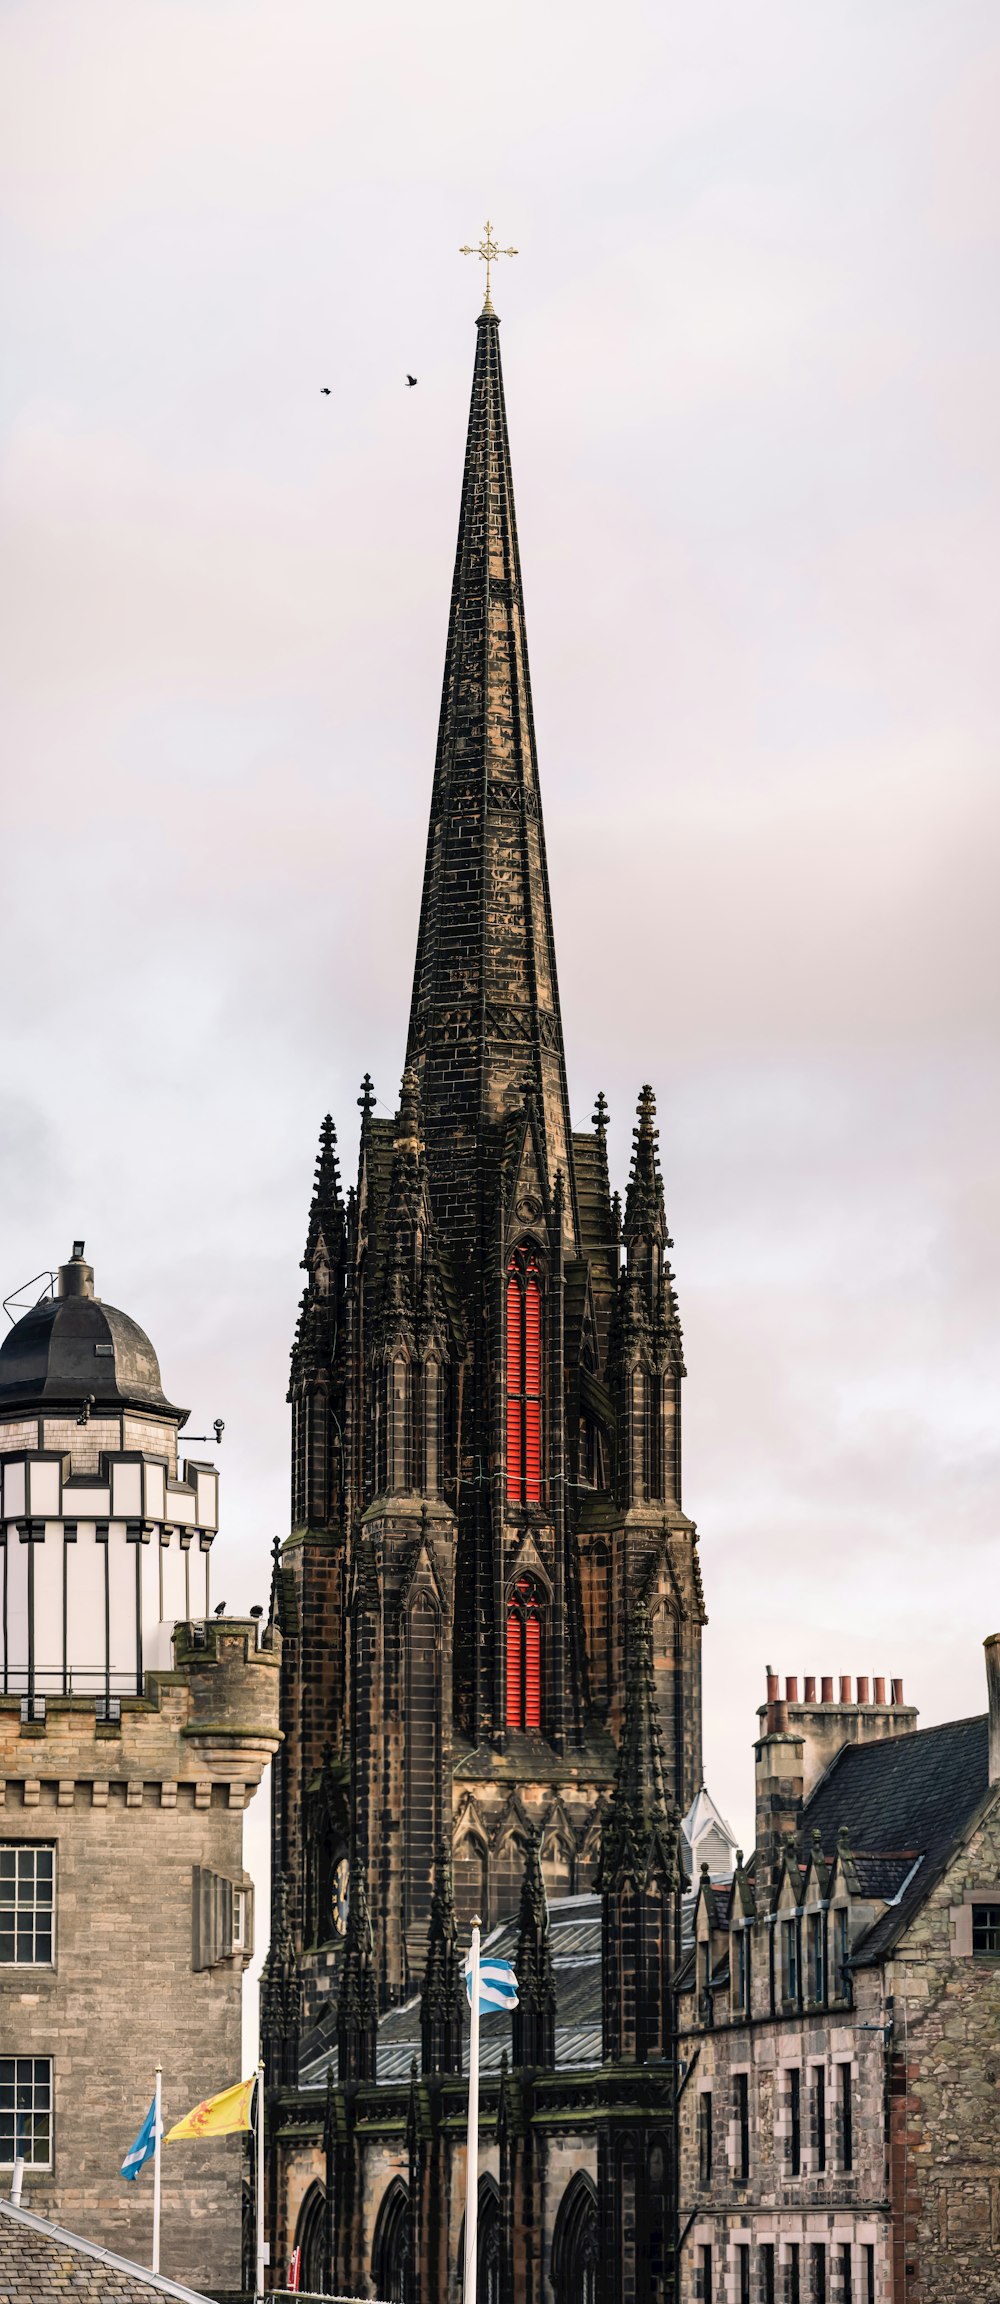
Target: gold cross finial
[[488, 250]]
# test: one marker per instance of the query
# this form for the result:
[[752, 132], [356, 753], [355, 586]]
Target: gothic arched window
[[488, 2250], [524, 1378], [390, 2253], [574, 2244], [310, 2238], [524, 1655]]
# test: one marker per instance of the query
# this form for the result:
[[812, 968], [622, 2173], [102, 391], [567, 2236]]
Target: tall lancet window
[[524, 1655], [524, 1378]]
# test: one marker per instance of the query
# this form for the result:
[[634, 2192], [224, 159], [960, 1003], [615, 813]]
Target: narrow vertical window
[[791, 1931], [705, 2136], [818, 2272], [767, 2272], [846, 2118], [817, 1957], [819, 2118], [743, 2272], [841, 1952], [741, 2108], [524, 1378], [524, 1655], [846, 2275], [869, 2273], [794, 2283], [741, 1972], [795, 2121]]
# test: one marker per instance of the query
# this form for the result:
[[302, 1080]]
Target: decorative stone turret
[[534, 2019], [640, 1876], [281, 2004], [442, 1998], [357, 2005]]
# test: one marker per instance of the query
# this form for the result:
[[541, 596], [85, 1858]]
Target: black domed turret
[[72, 1350]]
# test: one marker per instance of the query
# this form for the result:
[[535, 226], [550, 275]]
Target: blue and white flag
[[497, 1984], [144, 2146]]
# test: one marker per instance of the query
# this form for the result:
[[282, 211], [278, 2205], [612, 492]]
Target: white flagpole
[[259, 2287], [156, 2169], [472, 2146]]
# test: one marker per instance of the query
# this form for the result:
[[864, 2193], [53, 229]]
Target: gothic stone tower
[[485, 1381]]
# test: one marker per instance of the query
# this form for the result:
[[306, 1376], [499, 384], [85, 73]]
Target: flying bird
[[325, 388], [411, 380]]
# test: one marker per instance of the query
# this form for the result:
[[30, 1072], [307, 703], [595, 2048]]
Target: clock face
[[341, 1894]]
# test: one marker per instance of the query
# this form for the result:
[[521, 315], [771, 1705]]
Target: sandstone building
[[839, 2123], [134, 1727]]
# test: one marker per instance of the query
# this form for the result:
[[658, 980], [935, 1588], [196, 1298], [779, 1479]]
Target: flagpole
[[472, 2145], [157, 2127], [259, 2288]]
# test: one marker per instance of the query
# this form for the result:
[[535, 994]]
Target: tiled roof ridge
[[64, 2239]]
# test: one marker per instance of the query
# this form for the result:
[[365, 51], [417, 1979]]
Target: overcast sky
[[752, 360]]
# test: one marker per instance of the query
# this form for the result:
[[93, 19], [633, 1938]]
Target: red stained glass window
[[524, 1655], [524, 1378]]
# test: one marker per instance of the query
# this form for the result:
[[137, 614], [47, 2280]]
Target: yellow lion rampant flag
[[219, 2115]]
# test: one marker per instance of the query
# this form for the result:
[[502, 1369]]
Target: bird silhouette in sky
[[411, 380], [325, 388]]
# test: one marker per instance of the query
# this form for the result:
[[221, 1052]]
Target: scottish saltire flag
[[497, 1984], [143, 2148]]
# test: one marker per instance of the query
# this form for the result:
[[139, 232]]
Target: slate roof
[[575, 1931], [903, 1798], [40, 2264]]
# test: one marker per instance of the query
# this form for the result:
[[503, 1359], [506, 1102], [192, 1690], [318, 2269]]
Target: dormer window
[[524, 1378], [841, 1950], [817, 1958], [790, 1935]]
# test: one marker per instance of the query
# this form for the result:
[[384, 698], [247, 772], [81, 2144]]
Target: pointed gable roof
[[485, 1010]]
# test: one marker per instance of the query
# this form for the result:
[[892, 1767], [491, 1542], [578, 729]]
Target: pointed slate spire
[[640, 1834], [485, 1003], [441, 2000], [357, 2009], [534, 2020], [281, 2002]]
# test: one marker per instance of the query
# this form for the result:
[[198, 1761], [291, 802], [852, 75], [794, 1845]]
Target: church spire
[[485, 1009]]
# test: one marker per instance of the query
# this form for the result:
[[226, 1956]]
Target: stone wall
[[832, 2207], [946, 2088]]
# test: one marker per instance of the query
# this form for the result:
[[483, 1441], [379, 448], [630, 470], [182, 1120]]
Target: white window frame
[[36, 1847], [38, 2166]]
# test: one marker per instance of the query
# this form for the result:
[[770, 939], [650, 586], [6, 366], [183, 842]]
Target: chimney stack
[[861, 1715], [778, 1779], [992, 1647]]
